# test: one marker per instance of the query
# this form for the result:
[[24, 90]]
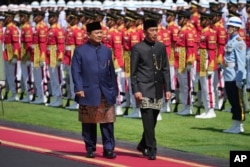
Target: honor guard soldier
[[11, 52], [235, 73], [130, 38], [218, 26], [206, 64], [39, 57], [173, 28], [55, 53], [184, 55], [26, 52], [73, 38], [114, 41]]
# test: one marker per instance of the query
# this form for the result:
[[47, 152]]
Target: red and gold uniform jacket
[[164, 37], [184, 48], [207, 51], [140, 32], [195, 20], [129, 39], [85, 34], [1, 33], [73, 38], [39, 43], [11, 42], [173, 30], [248, 31], [221, 42], [55, 44], [114, 41], [26, 42], [196, 38], [105, 30]]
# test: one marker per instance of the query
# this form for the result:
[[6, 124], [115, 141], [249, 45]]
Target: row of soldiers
[[195, 39]]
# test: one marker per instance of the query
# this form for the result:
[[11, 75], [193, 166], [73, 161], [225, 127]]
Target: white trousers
[[39, 79], [55, 80], [69, 83], [10, 74], [186, 86], [207, 91], [26, 77]]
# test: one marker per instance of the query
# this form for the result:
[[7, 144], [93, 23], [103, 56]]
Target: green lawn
[[177, 132]]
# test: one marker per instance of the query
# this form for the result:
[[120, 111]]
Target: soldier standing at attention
[[55, 53], [11, 52], [235, 73], [73, 38], [26, 48], [39, 55]]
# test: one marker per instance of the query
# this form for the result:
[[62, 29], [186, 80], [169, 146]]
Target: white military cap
[[131, 5], [180, 3], [97, 4], [44, 3], [167, 4], [204, 4], [70, 4], [242, 1], [52, 3], [108, 4], [61, 3], [35, 4]]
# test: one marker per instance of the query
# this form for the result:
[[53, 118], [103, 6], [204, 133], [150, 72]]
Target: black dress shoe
[[90, 154], [152, 155], [144, 151], [109, 154]]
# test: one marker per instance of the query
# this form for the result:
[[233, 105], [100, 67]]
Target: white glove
[[189, 67], [209, 73], [42, 64], [28, 63], [239, 84], [14, 61], [118, 70]]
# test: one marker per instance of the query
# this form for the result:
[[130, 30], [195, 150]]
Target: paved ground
[[10, 157]]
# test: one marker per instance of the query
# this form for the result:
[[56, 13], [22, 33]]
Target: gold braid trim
[[203, 61], [182, 59], [126, 57], [36, 55]]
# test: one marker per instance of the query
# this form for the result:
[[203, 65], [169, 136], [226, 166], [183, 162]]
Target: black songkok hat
[[149, 23], [93, 26]]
